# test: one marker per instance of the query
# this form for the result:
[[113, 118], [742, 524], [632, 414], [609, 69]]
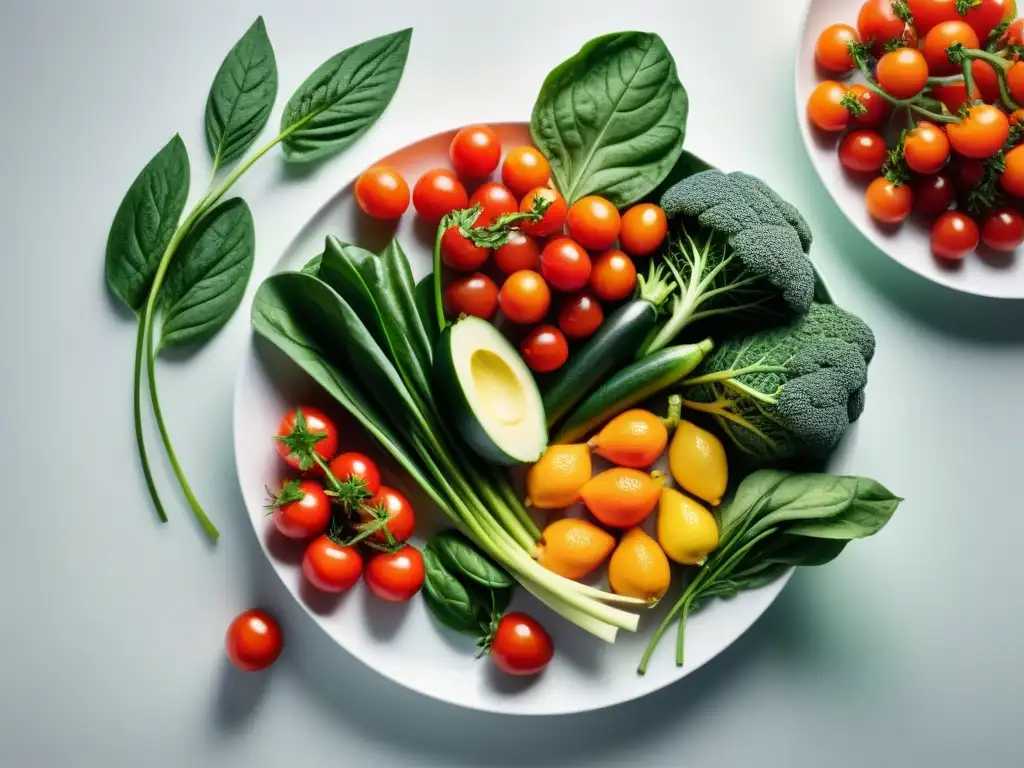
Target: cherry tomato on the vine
[[1012, 177], [459, 252], [986, 15], [986, 80], [564, 264], [401, 519], [525, 168], [876, 110], [524, 298], [520, 645], [474, 294], [967, 172], [554, 217], [902, 73], [545, 349], [330, 567], [520, 252], [954, 95], [494, 199], [594, 223], [825, 106], [1016, 116], [832, 49], [1003, 230], [929, 13], [644, 227], [863, 151], [613, 276], [1015, 81], [933, 194], [981, 133], [580, 315], [954, 235], [253, 640], [888, 202], [317, 423], [926, 148], [382, 193], [939, 38], [878, 24], [351, 466], [438, 193], [396, 576], [302, 510], [1013, 34], [475, 151]]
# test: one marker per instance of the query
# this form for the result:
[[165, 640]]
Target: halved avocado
[[489, 394]]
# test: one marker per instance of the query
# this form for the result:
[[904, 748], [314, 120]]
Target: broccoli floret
[[736, 248]]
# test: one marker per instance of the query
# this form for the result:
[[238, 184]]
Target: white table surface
[[904, 652]]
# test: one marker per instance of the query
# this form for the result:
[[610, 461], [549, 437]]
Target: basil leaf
[[206, 281], [447, 599], [241, 96], [463, 558], [612, 118], [871, 507], [145, 222], [343, 97]]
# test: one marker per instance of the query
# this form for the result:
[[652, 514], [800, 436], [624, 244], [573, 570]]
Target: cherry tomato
[[876, 109], [594, 223], [580, 315], [981, 134], [317, 423], [382, 193], [1013, 34], [1015, 81], [459, 252], [832, 50], [825, 106], [356, 466], [613, 276], [1016, 116], [525, 168], [986, 80], [878, 25], [928, 13], [888, 202], [1012, 177], [438, 193], [954, 95], [520, 252], [644, 227], [520, 645], [902, 73], [302, 510], [545, 349], [495, 199], [474, 294], [554, 217], [986, 15], [967, 172], [564, 264], [400, 515], [933, 194], [926, 148], [475, 151], [954, 235], [863, 151], [939, 38], [253, 640], [330, 567], [395, 576], [1003, 230], [525, 298]]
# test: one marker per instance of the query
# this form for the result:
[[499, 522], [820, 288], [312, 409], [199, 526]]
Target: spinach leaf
[[312, 267], [807, 496], [462, 557], [447, 599], [206, 282], [241, 96], [343, 97], [426, 308], [611, 119], [145, 222], [738, 512], [871, 507]]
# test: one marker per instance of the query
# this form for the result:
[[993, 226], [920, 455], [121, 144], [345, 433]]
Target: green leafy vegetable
[[460, 555], [612, 118], [446, 597]]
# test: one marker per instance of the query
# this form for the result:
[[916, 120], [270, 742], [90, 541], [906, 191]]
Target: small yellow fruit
[[574, 548], [554, 482], [686, 530], [635, 438], [697, 460], [638, 567]]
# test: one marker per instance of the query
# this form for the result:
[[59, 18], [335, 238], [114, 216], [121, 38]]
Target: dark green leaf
[[207, 278], [241, 96], [312, 267], [145, 222], [732, 585], [501, 599], [464, 559], [738, 512], [871, 507], [402, 290], [344, 97], [427, 309], [612, 118], [801, 550], [806, 496], [448, 600]]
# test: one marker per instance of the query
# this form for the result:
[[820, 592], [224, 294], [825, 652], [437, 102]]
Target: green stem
[[681, 631], [934, 116], [718, 376], [507, 492], [139, 437], [968, 68], [438, 296]]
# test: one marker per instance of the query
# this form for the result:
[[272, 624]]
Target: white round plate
[[984, 273], [403, 642]]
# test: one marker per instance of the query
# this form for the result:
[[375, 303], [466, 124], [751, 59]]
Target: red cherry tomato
[[474, 294], [878, 24], [302, 510], [253, 640], [545, 349], [613, 276], [437, 193], [494, 199], [928, 13], [1003, 230], [902, 73], [564, 264], [400, 515], [1016, 116], [475, 151], [832, 50], [876, 110], [986, 15], [1015, 80], [317, 423], [382, 193], [967, 172], [459, 252], [954, 95], [933, 194], [986, 80], [554, 217], [644, 227], [357, 466], [520, 645], [981, 134], [825, 107], [525, 298], [887, 202], [580, 315], [525, 168], [926, 148], [330, 567], [863, 151], [520, 252], [954, 235], [395, 576], [594, 223], [1012, 177], [942, 36], [1013, 34]]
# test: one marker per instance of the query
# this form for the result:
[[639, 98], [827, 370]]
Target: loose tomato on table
[[520, 645], [437, 193], [545, 349], [475, 151], [580, 315], [867, 109], [358, 470], [981, 133], [644, 227], [395, 576], [941, 37], [594, 223], [330, 566], [832, 48], [926, 148], [525, 168], [524, 297], [401, 519], [878, 25], [954, 235], [887, 201], [902, 73], [302, 509], [825, 107], [306, 425], [564, 264], [460, 253], [382, 193], [253, 640], [520, 252], [494, 200], [1002, 230], [933, 194], [474, 294], [863, 151], [1012, 177], [612, 276], [554, 217]]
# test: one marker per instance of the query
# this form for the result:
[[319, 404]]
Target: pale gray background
[[904, 652]]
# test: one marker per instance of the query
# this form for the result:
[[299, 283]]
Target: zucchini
[[633, 384]]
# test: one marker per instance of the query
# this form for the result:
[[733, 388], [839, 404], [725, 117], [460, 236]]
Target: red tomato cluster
[[958, 161], [570, 251]]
